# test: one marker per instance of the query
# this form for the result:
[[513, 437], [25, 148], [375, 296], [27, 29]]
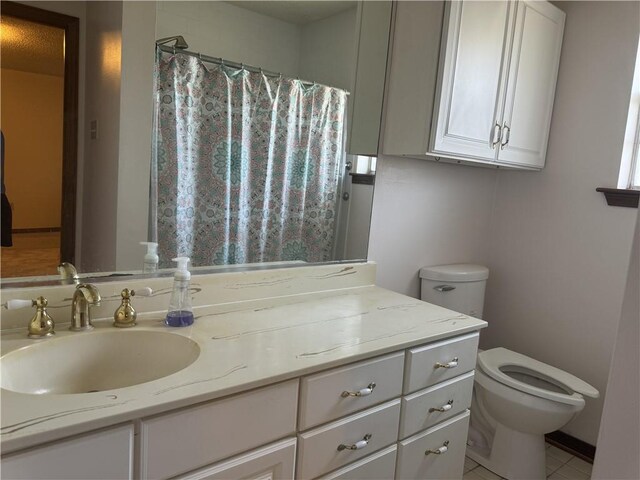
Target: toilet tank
[[459, 287]]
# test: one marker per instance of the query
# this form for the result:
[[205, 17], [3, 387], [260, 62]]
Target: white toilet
[[516, 399]]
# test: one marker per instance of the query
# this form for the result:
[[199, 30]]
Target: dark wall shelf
[[617, 197]]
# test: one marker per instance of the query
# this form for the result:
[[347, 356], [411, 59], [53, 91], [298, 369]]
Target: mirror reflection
[[231, 132]]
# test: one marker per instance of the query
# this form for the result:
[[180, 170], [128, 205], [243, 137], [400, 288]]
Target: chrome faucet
[[85, 296]]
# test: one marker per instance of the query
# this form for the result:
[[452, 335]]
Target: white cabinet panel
[[472, 76], [319, 450], [321, 395], [444, 400], [532, 83], [100, 455], [417, 457], [371, 65], [274, 462], [381, 465], [425, 366], [191, 438]]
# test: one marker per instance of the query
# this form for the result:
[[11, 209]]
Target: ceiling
[[31, 47], [297, 12]]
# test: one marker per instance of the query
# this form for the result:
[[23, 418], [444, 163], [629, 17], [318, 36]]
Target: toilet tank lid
[[460, 272]]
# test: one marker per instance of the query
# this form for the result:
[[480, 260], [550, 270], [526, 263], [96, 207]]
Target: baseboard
[[36, 230], [574, 446]]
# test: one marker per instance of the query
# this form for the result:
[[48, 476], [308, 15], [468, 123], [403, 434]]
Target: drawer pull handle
[[356, 446], [440, 450], [360, 393], [445, 408], [444, 288], [452, 364]]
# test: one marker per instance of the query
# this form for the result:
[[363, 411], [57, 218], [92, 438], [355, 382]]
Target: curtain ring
[[174, 49], [200, 55], [242, 66]]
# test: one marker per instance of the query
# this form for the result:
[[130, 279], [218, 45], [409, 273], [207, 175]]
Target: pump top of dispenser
[[152, 247], [181, 272], [151, 259]]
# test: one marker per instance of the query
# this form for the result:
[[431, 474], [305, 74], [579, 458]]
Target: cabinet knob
[[439, 450], [452, 364], [360, 393], [356, 446], [444, 408]]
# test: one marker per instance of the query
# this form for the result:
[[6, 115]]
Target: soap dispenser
[[180, 313], [151, 259]]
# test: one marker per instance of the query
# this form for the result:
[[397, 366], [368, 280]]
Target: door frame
[[71, 27]]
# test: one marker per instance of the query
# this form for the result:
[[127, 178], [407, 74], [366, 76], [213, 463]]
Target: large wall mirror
[[232, 132]]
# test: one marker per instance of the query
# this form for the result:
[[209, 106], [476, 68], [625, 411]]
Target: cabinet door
[[104, 454], [531, 83], [371, 66], [274, 462], [473, 72]]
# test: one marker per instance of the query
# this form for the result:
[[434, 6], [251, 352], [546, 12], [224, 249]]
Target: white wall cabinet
[[491, 68]]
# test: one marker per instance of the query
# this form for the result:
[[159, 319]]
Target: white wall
[[136, 122], [619, 437], [426, 213], [222, 30], [558, 253], [327, 50], [104, 32]]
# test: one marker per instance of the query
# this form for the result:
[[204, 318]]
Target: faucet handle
[[17, 303], [41, 325], [142, 292], [125, 315]]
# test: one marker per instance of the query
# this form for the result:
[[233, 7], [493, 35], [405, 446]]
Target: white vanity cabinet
[[382, 417], [98, 455], [181, 441], [473, 81]]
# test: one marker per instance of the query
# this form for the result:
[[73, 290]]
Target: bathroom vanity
[[309, 372]]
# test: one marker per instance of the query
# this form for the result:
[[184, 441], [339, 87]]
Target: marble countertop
[[243, 345]]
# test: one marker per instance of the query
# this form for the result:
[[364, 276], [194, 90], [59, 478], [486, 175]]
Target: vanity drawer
[[426, 366], [419, 410], [381, 464], [321, 395], [275, 462], [318, 449], [193, 437], [415, 462]]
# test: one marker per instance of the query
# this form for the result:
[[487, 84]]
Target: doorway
[[39, 68]]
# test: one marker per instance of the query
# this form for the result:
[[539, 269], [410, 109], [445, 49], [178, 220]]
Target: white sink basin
[[96, 361]]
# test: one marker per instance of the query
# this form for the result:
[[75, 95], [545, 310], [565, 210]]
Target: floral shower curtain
[[246, 166]]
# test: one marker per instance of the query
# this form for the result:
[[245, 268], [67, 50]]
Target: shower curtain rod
[[227, 63]]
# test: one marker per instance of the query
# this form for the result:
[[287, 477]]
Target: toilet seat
[[491, 362]]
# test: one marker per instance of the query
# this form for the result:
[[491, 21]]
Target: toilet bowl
[[516, 399]]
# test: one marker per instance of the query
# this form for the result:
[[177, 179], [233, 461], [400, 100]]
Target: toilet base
[[513, 455]]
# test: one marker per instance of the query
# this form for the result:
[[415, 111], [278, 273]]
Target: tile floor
[[561, 465]]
